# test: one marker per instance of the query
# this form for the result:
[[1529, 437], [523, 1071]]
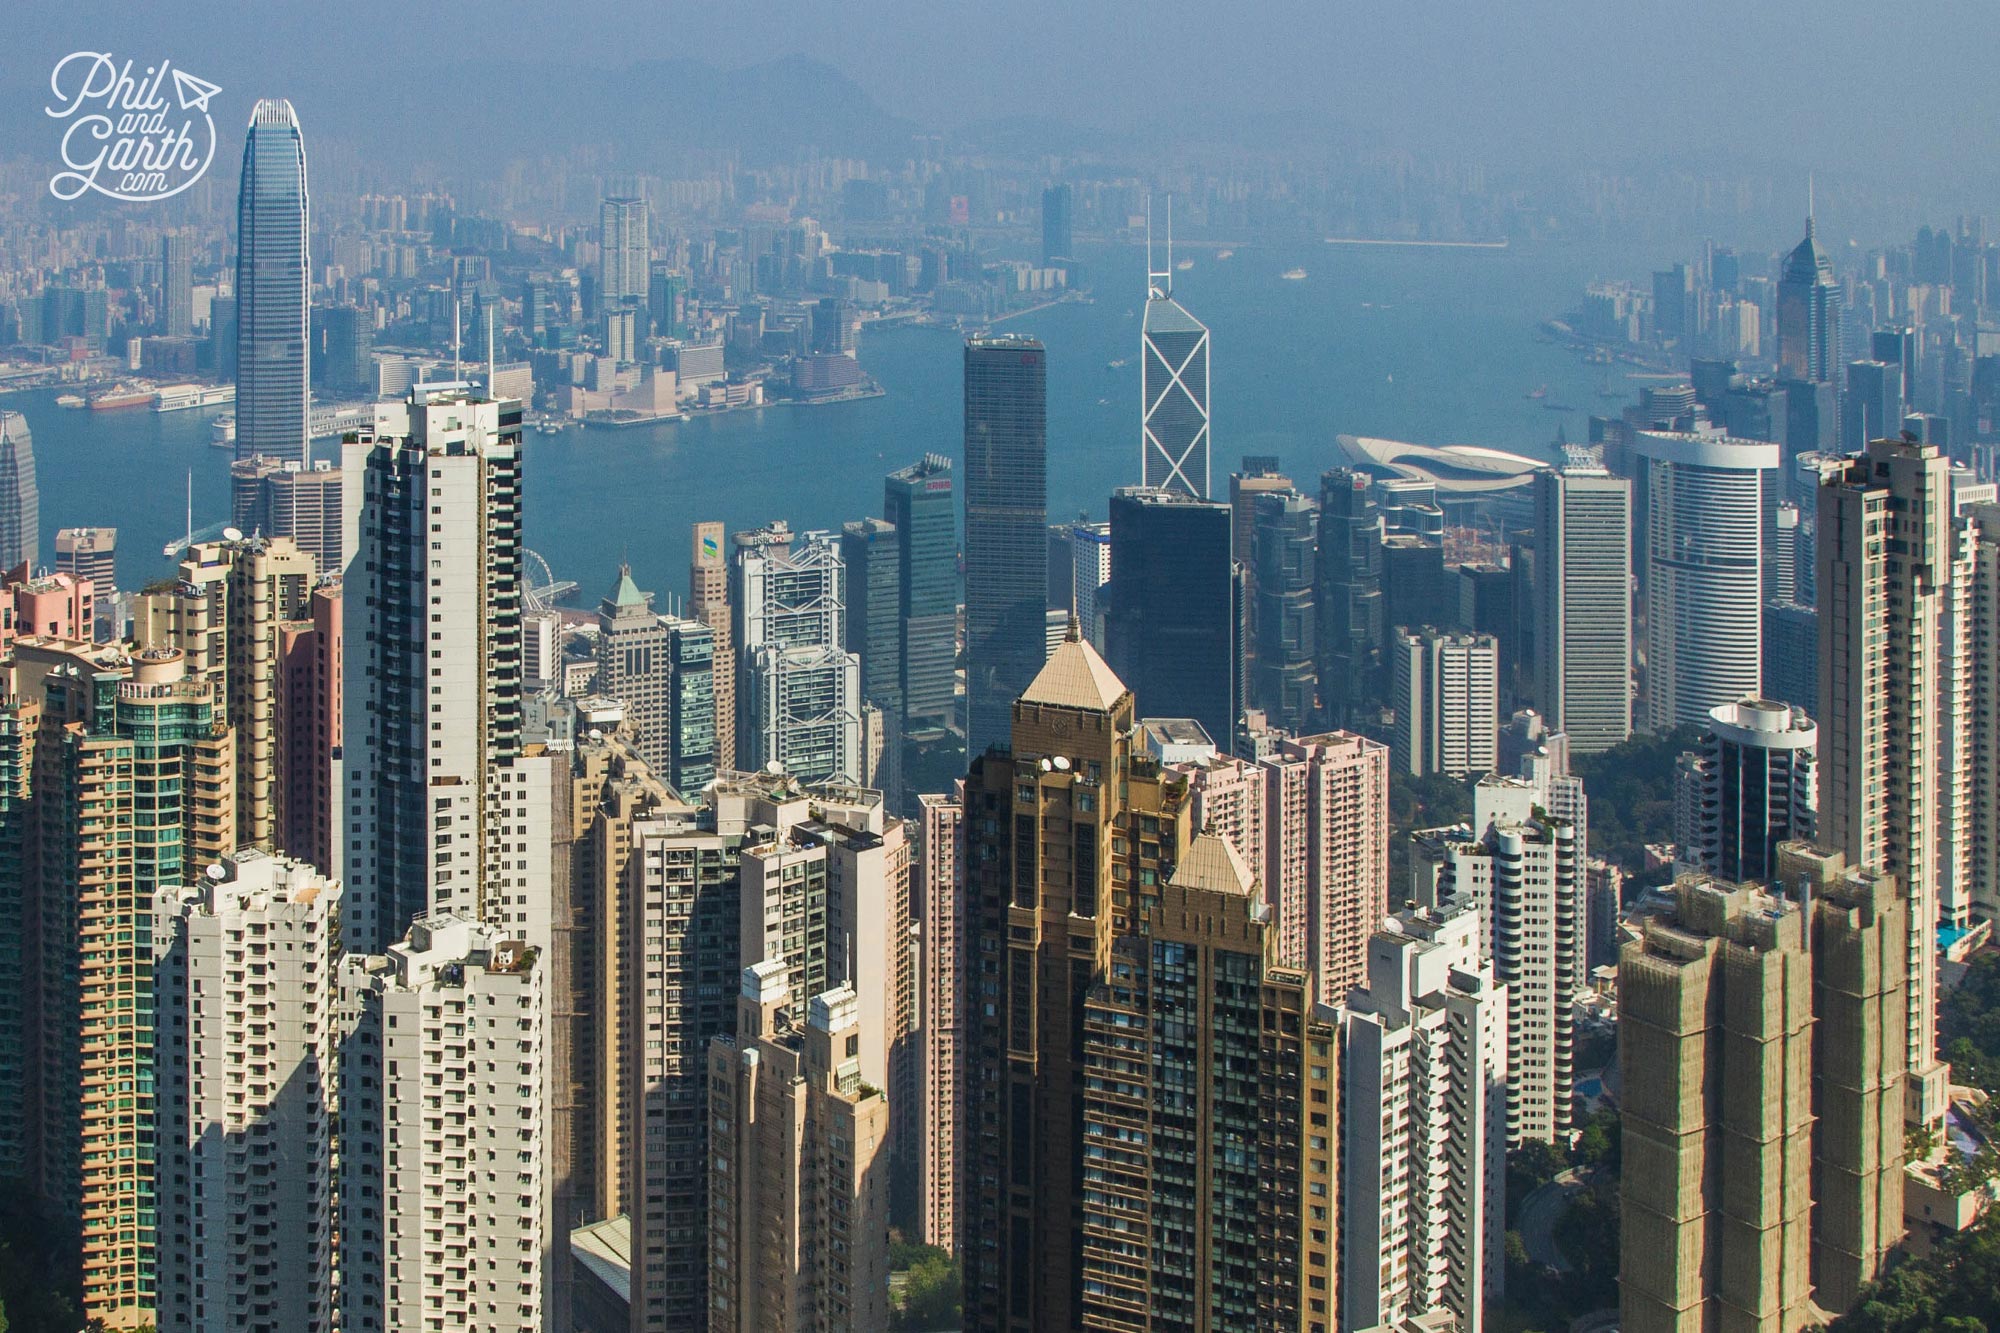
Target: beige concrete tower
[[708, 602], [1715, 1049]]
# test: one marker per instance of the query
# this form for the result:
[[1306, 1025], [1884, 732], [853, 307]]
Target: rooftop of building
[[1075, 677], [604, 1249]]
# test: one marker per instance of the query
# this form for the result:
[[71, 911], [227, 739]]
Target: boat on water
[[182, 397], [548, 427], [1557, 407], [1293, 275], [121, 396], [70, 400], [1540, 392], [1225, 254], [222, 432], [1183, 265], [1118, 364]]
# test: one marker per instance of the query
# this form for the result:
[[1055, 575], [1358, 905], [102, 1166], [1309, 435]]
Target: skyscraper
[[1756, 788], [272, 272], [1702, 571], [20, 499], [1176, 1236], [176, 285], [1446, 692], [938, 906], [1286, 534], [1006, 526], [624, 267], [1583, 602], [798, 696], [918, 500], [1423, 1126], [708, 602], [246, 962], [1173, 352], [1808, 314], [1171, 627], [88, 553], [874, 630], [1895, 569], [1348, 585], [1058, 224], [1872, 407], [434, 676], [1724, 972]]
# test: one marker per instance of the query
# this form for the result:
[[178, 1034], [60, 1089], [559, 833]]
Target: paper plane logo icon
[[194, 93]]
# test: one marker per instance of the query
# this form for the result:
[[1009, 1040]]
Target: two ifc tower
[[1173, 347]]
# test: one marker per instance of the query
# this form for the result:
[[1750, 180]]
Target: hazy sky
[[1857, 84]]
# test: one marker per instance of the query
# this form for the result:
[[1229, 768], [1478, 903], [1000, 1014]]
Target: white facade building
[[1423, 1126], [1583, 604], [1701, 576], [244, 968], [798, 691], [446, 1208], [1446, 694], [1090, 570]]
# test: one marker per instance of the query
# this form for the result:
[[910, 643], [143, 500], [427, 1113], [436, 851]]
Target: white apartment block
[[1446, 692], [246, 1044], [445, 1211], [1423, 1124]]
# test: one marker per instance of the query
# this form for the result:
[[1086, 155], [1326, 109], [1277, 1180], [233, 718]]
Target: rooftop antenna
[[457, 362], [1809, 203], [1159, 282], [1170, 246], [489, 352]]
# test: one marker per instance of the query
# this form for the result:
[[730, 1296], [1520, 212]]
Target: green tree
[[933, 1296]]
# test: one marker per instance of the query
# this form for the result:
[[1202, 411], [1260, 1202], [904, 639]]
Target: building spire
[[1809, 205], [1074, 634]]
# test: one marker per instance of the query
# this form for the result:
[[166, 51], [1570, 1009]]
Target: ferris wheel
[[544, 588]]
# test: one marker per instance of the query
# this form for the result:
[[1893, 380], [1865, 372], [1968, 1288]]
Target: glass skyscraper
[[1006, 530], [20, 500], [1173, 346], [1171, 627], [918, 500], [271, 278], [1809, 314]]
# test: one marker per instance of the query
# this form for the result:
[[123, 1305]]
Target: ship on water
[[183, 397], [121, 396]]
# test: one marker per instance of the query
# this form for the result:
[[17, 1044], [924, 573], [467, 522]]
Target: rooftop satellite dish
[[774, 767], [1062, 763], [216, 872], [232, 534]]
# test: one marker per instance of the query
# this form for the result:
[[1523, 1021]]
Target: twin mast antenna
[[1160, 281]]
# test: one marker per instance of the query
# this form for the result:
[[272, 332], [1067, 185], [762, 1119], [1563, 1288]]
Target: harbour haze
[[1432, 345]]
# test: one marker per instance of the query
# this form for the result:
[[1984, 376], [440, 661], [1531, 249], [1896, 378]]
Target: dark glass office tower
[[1285, 535], [20, 498], [1058, 224], [1349, 596], [1006, 529], [176, 286], [1808, 314], [874, 616], [271, 314], [918, 500], [1171, 629]]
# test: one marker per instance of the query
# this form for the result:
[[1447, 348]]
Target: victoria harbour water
[[1432, 345]]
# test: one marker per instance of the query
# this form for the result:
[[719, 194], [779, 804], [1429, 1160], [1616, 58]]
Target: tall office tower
[[1809, 301], [676, 994], [444, 1191], [1090, 569], [1791, 655], [343, 351], [708, 602], [1040, 932], [1522, 867], [1701, 572], [691, 706], [1899, 347], [1782, 544], [798, 697], [433, 678], [1258, 473], [1423, 1126], [1058, 224], [1173, 419], [1583, 605], [225, 615], [1858, 925], [1446, 692], [272, 277], [176, 285], [1062, 567], [89, 553], [1176, 1236], [1006, 523], [310, 650], [918, 501], [872, 557], [1324, 842], [1872, 407], [1349, 590], [938, 903], [1895, 574], [1983, 691], [245, 959], [20, 499], [1170, 629], [1715, 1035], [798, 1200], [1756, 787], [632, 667], [132, 777], [1285, 683], [624, 270], [304, 503]]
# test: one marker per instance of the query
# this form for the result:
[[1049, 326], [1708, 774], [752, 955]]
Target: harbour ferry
[[182, 397], [71, 400], [121, 396], [222, 431], [1293, 275]]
